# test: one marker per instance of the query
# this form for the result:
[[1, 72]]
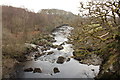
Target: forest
[[95, 38]]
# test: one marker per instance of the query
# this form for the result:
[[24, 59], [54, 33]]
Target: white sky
[[36, 5]]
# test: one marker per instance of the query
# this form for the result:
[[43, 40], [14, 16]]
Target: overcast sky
[[36, 5]]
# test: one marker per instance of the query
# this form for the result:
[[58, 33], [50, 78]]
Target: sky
[[36, 5]]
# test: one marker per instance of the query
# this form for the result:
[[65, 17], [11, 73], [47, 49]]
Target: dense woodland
[[96, 31]]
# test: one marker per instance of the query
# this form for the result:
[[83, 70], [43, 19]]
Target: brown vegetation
[[99, 34], [21, 26]]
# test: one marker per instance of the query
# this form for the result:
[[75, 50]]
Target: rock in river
[[68, 59], [56, 70], [49, 53], [37, 70], [61, 60], [60, 47], [38, 55], [62, 44], [28, 70], [54, 46], [92, 69]]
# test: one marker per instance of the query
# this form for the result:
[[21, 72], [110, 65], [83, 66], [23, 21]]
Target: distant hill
[[44, 18], [66, 15], [22, 21], [55, 12]]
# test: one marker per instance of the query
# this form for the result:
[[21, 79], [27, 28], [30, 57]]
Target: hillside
[[88, 44], [21, 26]]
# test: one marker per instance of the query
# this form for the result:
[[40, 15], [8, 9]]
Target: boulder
[[45, 48], [38, 55], [78, 58], [49, 53], [68, 59], [56, 70], [28, 70], [60, 47], [62, 44], [37, 70], [92, 69], [61, 60], [54, 46]]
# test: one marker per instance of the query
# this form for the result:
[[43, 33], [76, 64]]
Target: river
[[69, 69]]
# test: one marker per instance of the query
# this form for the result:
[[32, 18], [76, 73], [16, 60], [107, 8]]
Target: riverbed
[[70, 68]]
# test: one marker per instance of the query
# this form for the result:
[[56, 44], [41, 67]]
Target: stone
[[45, 48], [60, 48], [62, 44], [37, 55], [56, 70], [78, 58], [37, 70], [68, 59], [28, 70], [54, 46], [60, 60], [92, 69], [49, 53]]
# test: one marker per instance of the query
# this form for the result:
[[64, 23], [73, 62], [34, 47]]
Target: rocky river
[[56, 62]]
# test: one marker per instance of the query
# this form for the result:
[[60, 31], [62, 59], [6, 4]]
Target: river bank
[[103, 52], [53, 58], [9, 63], [58, 51]]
